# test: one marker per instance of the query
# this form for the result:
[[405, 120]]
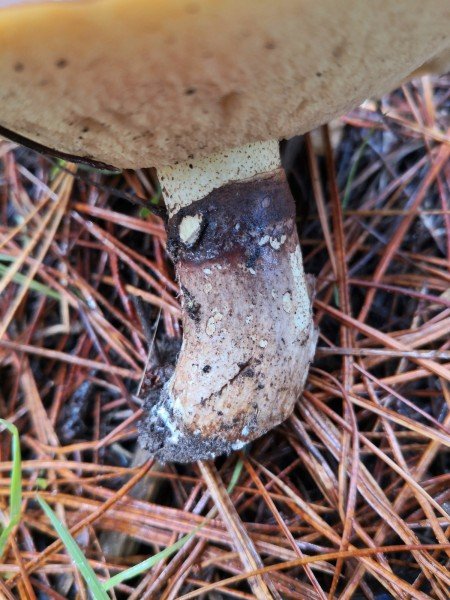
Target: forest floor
[[350, 498]]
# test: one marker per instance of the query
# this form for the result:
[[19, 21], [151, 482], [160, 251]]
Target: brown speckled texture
[[137, 84]]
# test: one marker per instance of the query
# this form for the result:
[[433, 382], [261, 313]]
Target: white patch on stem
[[190, 228]]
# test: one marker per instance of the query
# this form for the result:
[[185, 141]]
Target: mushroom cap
[[150, 83]]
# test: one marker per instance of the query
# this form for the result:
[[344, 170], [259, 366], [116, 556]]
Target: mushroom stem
[[247, 319]]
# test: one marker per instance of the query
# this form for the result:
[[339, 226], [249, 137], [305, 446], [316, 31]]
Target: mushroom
[[203, 90]]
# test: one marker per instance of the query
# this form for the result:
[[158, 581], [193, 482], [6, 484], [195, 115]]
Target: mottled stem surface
[[247, 321]]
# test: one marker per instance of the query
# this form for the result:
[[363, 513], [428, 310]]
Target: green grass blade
[[153, 560], [149, 562], [354, 168], [33, 284], [235, 476], [75, 552], [15, 492]]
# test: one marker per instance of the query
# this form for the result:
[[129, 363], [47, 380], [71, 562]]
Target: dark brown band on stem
[[234, 218]]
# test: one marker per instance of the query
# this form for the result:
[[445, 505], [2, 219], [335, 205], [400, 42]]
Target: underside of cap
[[136, 84]]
